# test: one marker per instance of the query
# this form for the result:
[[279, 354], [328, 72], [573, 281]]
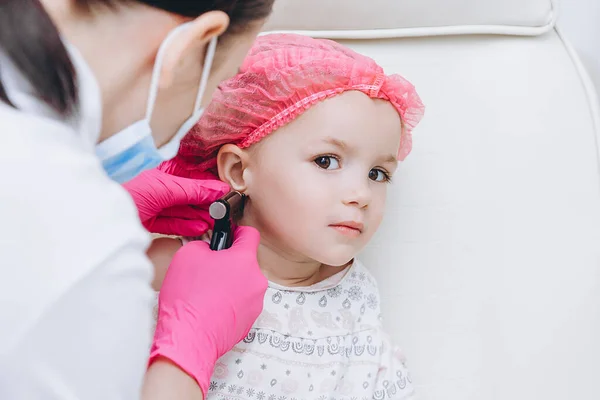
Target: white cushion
[[489, 256], [396, 18]]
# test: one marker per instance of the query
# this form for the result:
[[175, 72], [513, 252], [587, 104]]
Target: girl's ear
[[232, 163]]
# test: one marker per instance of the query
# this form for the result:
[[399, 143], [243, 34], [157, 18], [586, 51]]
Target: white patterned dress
[[323, 342]]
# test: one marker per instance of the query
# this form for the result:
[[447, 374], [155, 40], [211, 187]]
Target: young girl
[[312, 132]]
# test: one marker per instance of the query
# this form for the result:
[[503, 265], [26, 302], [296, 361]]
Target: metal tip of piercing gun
[[225, 210]]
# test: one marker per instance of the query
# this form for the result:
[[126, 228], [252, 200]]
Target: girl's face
[[318, 185]]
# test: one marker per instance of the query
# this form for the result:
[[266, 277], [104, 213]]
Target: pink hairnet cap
[[282, 77]]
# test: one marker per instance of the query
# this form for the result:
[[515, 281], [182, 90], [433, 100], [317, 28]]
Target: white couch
[[489, 258]]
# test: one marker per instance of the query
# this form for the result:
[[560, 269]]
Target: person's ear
[[198, 35], [232, 163]]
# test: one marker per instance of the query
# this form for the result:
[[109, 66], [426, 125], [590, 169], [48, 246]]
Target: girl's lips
[[348, 228]]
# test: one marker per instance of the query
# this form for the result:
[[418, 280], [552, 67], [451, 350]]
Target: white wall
[[579, 20]]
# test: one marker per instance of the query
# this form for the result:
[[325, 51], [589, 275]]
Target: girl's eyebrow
[[336, 142], [391, 159], [340, 144]]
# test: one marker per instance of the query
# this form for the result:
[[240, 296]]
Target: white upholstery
[[399, 18], [489, 257]]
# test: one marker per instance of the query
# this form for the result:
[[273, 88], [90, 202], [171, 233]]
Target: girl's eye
[[379, 175], [327, 162]]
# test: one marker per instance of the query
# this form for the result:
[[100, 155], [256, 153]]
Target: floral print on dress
[[324, 342]]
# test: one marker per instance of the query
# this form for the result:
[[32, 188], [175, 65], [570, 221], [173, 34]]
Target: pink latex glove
[[208, 303], [173, 205]]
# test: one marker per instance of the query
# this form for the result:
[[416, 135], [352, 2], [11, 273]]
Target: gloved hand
[[208, 303], [173, 205]]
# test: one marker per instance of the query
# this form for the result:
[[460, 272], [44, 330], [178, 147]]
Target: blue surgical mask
[[132, 150]]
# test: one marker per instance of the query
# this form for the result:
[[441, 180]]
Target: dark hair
[[31, 41]]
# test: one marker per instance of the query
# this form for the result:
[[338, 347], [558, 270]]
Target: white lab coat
[[75, 296]]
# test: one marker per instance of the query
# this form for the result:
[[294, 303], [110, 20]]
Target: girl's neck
[[292, 272]]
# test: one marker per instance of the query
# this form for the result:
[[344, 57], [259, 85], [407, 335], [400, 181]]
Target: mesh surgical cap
[[282, 77]]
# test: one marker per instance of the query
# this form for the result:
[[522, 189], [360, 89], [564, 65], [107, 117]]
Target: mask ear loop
[[107, 147], [160, 55], [196, 112], [208, 61]]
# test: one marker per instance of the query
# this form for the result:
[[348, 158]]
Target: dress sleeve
[[393, 378]]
